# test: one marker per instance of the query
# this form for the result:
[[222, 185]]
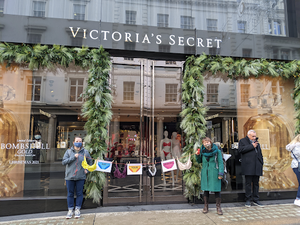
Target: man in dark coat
[[252, 166]]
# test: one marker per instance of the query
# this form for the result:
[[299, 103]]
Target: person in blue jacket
[[75, 175]]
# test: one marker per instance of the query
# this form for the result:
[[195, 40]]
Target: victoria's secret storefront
[[41, 111]]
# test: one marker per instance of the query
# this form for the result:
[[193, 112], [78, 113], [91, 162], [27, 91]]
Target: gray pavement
[[274, 212]]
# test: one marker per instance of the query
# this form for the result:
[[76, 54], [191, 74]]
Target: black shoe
[[258, 203], [248, 204]]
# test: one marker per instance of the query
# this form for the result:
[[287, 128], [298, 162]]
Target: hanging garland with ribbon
[[193, 115], [97, 107]]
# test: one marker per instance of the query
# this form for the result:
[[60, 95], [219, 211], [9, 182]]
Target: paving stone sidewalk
[[273, 214]]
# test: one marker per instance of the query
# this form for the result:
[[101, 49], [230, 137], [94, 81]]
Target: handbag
[[297, 160]]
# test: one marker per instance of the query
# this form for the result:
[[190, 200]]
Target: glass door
[[145, 116]]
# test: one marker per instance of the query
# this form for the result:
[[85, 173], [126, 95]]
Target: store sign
[[133, 37]]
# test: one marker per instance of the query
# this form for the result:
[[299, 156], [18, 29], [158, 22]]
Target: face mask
[[207, 146], [77, 144], [37, 136]]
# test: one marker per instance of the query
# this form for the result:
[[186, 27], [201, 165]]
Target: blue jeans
[[298, 177], [71, 184]]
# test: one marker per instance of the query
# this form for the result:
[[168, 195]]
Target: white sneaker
[[77, 213], [69, 214], [297, 202]]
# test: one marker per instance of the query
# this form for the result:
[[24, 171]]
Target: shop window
[[245, 93], [284, 54], [212, 24], [33, 89], [79, 12], [76, 89], [187, 22], [162, 20], [171, 93], [39, 8], [164, 48], [241, 26], [130, 17], [1, 6], [212, 93], [34, 38], [128, 91], [247, 52]]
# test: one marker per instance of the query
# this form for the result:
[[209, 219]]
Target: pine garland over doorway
[[193, 114], [98, 99]]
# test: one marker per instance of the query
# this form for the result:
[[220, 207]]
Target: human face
[[252, 136], [207, 143], [77, 140]]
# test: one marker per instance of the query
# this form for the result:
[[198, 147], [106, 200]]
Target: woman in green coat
[[212, 172]]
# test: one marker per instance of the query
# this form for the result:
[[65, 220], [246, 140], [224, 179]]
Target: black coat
[[252, 160]]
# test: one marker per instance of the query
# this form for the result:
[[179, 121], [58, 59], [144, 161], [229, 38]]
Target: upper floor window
[[1, 6], [162, 20], [186, 22], [212, 24], [241, 26], [212, 93], [128, 91], [33, 89], [130, 17], [245, 93], [171, 93], [76, 89], [79, 12], [39, 8], [275, 27]]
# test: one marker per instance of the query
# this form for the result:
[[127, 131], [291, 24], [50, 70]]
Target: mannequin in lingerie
[[166, 152], [176, 150]]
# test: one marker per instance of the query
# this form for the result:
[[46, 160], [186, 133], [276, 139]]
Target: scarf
[[209, 153]]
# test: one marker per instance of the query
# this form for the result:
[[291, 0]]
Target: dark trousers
[[248, 188], [71, 184], [217, 194], [298, 177]]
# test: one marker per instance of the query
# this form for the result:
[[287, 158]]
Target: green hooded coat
[[211, 169]]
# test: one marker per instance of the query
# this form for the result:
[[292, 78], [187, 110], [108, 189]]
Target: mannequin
[[166, 152], [176, 149]]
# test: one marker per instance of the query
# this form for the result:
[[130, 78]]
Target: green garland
[[193, 121], [97, 108]]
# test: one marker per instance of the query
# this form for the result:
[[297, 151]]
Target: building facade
[[148, 42]]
